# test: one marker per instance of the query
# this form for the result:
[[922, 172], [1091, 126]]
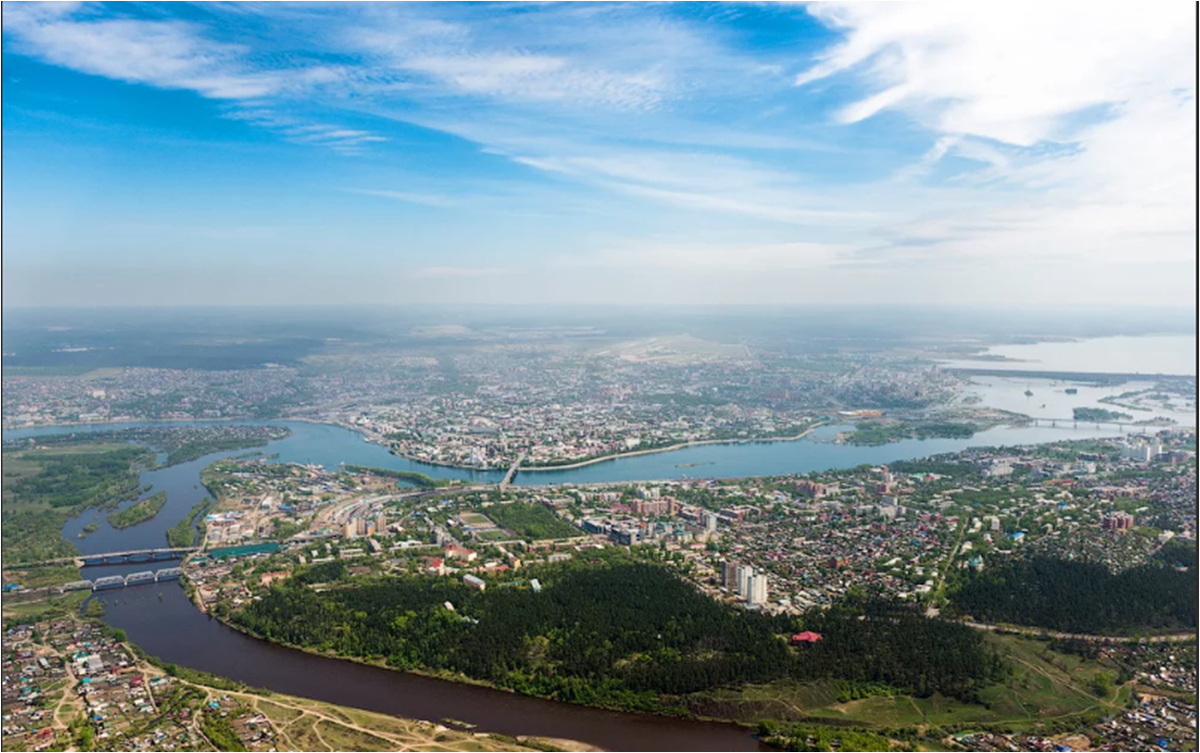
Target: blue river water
[[328, 446]]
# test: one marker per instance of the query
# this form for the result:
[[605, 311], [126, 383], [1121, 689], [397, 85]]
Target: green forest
[[186, 531], [1100, 414], [627, 635], [180, 443], [43, 488], [1081, 597], [138, 512], [877, 434], [823, 737], [531, 522]]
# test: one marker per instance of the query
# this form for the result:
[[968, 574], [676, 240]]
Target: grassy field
[[43, 610], [474, 519], [26, 463], [498, 535], [44, 575], [1044, 685]]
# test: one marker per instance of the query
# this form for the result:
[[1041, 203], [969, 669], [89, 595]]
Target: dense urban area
[[558, 404], [1037, 597]]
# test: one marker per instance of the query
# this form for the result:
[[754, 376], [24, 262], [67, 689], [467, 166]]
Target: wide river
[[161, 619]]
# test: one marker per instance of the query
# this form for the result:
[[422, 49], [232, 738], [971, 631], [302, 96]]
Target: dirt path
[[1024, 630]]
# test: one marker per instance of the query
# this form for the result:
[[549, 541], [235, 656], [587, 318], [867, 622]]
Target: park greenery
[[531, 522], [138, 512], [613, 633], [1080, 597]]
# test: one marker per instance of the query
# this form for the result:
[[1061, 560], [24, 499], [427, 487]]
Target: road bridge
[[1054, 423], [512, 471], [119, 558]]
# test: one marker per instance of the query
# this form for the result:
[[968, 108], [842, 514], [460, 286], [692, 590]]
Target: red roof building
[[807, 636]]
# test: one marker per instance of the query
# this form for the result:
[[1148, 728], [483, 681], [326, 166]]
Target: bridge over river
[[119, 558], [121, 581], [1074, 423]]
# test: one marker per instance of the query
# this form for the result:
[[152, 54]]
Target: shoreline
[[460, 679]]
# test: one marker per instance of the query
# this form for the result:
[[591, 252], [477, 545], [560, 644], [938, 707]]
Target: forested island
[[616, 633], [1100, 414], [138, 512], [186, 532], [882, 433]]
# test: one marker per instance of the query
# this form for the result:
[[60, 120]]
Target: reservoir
[[161, 620]]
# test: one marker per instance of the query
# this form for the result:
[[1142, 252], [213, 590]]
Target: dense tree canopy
[[623, 634], [1080, 597]]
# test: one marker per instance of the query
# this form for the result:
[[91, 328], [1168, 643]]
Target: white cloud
[[538, 78], [1083, 123], [1011, 75], [178, 55], [167, 54], [348, 141]]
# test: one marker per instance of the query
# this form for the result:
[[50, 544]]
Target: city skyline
[[474, 153]]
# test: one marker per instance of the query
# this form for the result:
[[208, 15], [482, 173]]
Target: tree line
[[1080, 597], [628, 635]]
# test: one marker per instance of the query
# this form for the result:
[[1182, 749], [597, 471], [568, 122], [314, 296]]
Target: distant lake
[[1150, 354]]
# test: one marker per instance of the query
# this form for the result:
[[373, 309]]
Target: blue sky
[[592, 153]]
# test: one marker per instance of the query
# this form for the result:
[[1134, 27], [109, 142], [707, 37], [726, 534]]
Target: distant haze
[[1150, 354], [247, 337]]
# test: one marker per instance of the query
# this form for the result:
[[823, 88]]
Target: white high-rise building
[[1140, 450], [744, 574], [758, 589]]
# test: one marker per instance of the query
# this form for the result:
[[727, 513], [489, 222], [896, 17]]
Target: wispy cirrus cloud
[[1080, 125], [174, 54]]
